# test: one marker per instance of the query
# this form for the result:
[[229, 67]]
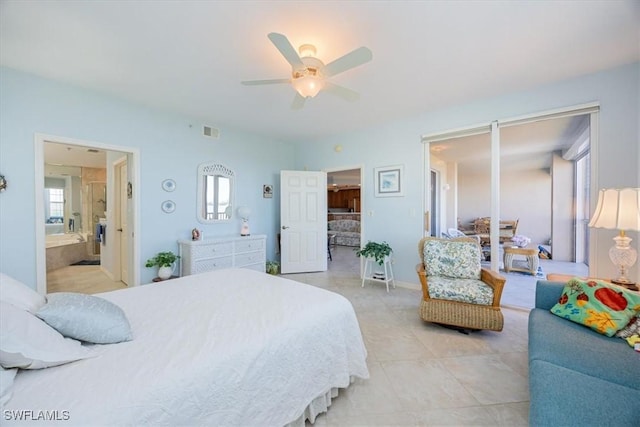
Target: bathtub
[[65, 249], [55, 228], [53, 240]]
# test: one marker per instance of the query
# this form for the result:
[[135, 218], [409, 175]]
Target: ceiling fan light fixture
[[309, 74], [308, 86], [307, 50]]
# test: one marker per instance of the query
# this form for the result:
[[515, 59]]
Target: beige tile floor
[[421, 374], [86, 279]]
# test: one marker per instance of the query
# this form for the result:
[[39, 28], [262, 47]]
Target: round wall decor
[[168, 206], [168, 185]]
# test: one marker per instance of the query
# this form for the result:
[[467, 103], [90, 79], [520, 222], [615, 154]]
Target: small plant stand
[[378, 273]]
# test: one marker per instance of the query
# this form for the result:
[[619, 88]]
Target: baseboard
[[108, 273], [407, 285]]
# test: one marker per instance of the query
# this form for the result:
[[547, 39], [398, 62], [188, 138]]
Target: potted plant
[[375, 250], [166, 263], [273, 267]]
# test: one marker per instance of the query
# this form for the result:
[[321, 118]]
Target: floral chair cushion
[[471, 291], [452, 259]]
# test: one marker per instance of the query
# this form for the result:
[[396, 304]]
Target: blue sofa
[[578, 377]]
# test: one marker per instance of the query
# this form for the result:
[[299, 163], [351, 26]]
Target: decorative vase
[[165, 272]]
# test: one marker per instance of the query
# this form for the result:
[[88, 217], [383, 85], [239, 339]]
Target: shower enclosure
[[97, 205]]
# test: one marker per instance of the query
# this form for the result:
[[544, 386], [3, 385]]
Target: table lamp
[[244, 212], [619, 209]]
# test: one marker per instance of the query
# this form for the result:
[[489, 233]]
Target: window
[[56, 202]]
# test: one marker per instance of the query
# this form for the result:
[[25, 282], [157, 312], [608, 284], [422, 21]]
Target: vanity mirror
[[215, 193]]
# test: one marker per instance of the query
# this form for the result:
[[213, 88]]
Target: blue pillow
[[86, 318]]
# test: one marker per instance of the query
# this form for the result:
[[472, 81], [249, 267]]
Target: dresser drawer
[[249, 258], [249, 245], [212, 264], [226, 252], [211, 250]]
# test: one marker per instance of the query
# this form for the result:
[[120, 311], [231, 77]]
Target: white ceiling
[[189, 57], [344, 178], [73, 155]]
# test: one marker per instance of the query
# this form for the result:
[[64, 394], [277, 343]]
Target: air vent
[[210, 131], [93, 150]]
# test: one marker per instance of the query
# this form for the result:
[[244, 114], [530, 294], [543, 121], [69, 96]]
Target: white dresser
[[224, 252]]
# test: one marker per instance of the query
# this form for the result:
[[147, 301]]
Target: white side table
[[531, 256], [378, 273]]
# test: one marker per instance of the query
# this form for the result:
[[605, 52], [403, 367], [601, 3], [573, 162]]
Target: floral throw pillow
[[598, 305]]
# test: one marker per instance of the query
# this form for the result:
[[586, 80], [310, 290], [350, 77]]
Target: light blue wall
[[399, 220], [169, 148]]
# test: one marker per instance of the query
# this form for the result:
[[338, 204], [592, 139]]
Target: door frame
[[581, 230], [362, 202], [119, 188], [39, 140], [435, 226]]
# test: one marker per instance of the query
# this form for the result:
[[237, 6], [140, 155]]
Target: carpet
[[88, 262]]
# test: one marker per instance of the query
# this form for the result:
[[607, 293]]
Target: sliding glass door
[[503, 171]]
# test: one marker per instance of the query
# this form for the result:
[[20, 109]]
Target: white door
[[122, 223], [303, 221]]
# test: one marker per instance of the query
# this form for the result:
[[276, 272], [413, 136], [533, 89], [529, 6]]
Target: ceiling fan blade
[[342, 92], [348, 61], [282, 43], [264, 82], [298, 102]]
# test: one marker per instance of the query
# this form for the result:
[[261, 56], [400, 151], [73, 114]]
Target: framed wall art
[[389, 181]]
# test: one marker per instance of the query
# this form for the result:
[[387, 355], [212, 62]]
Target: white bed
[[228, 348]]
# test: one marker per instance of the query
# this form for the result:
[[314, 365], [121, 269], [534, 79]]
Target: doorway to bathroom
[[86, 198]]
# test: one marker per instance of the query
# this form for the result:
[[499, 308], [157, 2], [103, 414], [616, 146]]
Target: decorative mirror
[[215, 193]]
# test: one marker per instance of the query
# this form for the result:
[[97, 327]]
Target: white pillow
[[86, 318], [6, 385], [29, 343], [19, 294]]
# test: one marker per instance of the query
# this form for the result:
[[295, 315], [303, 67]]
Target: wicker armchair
[[456, 290]]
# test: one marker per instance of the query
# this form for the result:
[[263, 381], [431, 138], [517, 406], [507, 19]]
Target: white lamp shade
[[617, 209], [244, 212]]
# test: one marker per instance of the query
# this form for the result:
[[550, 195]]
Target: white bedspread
[[228, 348]]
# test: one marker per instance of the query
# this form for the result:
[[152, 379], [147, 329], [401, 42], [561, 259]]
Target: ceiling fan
[[309, 74]]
